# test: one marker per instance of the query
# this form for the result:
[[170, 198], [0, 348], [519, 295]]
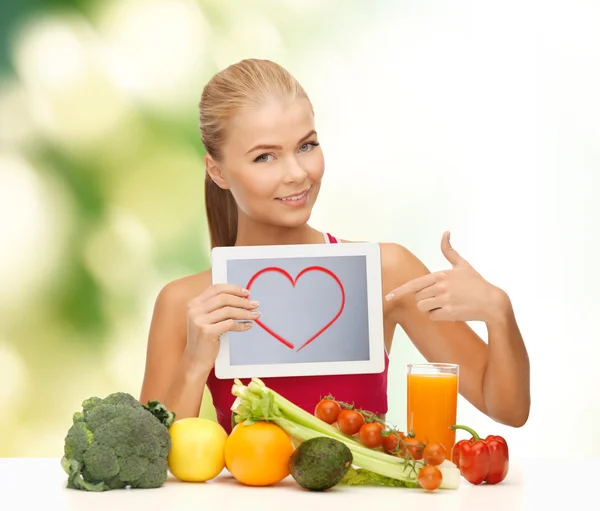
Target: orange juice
[[431, 408]]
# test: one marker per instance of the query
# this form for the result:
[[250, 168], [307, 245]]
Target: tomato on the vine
[[414, 447], [391, 441], [434, 454], [350, 421], [370, 434], [328, 410], [430, 477]]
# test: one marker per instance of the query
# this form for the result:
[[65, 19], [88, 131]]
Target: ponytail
[[221, 213]]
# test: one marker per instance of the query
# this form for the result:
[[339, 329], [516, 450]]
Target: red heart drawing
[[281, 339]]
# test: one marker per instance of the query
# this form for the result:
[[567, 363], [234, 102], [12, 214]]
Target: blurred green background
[[478, 117], [101, 184]]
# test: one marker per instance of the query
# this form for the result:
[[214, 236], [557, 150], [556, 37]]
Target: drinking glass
[[432, 395]]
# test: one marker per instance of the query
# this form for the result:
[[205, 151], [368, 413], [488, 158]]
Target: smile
[[294, 197]]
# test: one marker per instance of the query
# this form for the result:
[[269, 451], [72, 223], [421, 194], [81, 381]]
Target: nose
[[294, 172]]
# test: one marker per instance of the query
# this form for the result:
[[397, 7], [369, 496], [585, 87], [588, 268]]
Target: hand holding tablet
[[321, 310], [217, 310]]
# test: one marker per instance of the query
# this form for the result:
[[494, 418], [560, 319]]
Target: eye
[[263, 158], [308, 146]]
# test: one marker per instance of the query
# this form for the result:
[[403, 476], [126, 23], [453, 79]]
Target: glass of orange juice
[[432, 394]]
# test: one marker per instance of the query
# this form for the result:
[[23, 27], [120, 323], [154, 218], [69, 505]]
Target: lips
[[297, 196]]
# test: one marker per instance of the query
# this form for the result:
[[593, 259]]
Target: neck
[[251, 233]]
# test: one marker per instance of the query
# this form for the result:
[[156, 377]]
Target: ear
[[214, 171]]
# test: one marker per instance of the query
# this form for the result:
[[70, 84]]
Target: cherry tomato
[[370, 434], [414, 446], [350, 421], [434, 454], [328, 410], [390, 441], [430, 477]]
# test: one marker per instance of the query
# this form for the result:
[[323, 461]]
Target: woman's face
[[272, 162]]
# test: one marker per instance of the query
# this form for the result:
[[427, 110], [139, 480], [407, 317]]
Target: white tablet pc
[[321, 308]]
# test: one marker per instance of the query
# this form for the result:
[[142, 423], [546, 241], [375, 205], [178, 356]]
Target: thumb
[[449, 253]]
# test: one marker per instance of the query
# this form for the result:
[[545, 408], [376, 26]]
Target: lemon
[[197, 449]]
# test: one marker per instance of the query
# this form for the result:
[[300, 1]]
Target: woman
[[264, 167]]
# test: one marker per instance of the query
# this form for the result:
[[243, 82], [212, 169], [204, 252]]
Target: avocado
[[320, 463]]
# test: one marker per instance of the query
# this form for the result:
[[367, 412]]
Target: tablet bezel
[[372, 253]]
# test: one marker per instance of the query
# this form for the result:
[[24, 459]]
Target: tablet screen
[[314, 309]]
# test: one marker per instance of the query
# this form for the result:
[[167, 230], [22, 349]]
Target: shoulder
[[177, 293], [400, 261], [398, 265]]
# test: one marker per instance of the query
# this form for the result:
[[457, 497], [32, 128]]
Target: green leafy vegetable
[[117, 442], [362, 477]]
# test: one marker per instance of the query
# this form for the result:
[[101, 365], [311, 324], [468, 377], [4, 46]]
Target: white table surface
[[39, 483]]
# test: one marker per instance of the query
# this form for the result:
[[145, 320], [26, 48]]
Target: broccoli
[[117, 442]]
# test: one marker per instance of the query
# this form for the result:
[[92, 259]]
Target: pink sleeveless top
[[367, 391]]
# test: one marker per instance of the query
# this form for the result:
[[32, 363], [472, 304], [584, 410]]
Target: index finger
[[412, 286], [217, 289]]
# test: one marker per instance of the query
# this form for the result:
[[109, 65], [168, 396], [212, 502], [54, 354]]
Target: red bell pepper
[[481, 460]]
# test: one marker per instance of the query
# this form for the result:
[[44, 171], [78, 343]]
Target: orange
[[259, 454]]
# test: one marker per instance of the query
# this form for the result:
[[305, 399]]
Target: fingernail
[[254, 303], [389, 297], [248, 324], [255, 314], [246, 291]]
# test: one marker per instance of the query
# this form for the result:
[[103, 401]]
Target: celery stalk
[[257, 402], [297, 414]]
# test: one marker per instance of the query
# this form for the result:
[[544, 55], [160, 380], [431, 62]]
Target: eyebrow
[[278, 147]]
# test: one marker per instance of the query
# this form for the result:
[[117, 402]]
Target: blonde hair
[[248, 83]]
